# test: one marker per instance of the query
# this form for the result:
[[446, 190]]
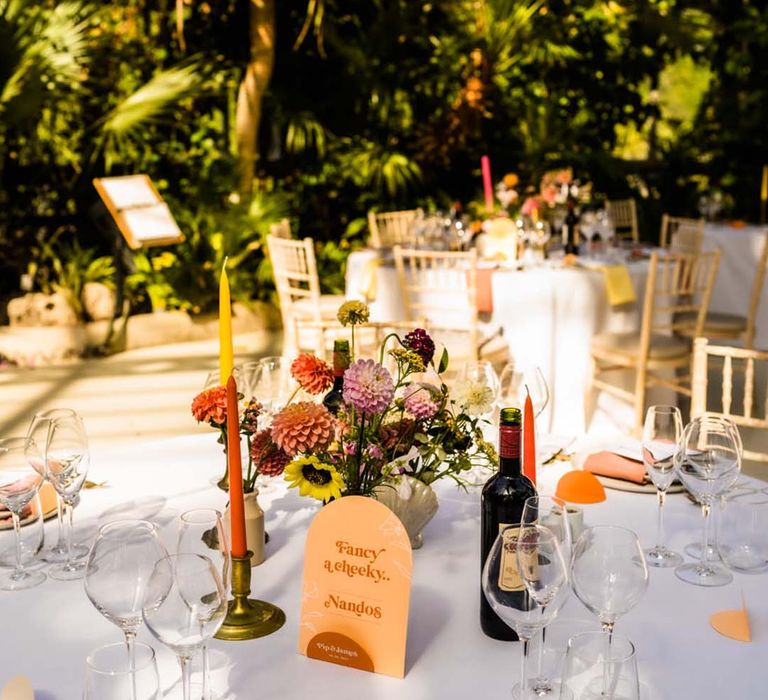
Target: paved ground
[[139, 394]]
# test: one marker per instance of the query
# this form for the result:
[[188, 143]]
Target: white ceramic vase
[[254, 526], [415, 511]]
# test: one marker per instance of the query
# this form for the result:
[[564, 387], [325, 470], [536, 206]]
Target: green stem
[[359, 451]]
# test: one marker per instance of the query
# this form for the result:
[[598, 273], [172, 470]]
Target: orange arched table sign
[[357, 587], [580, 487]]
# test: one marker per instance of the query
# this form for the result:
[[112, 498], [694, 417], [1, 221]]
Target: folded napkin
[[618, 285], [484, 290], [616, 466]]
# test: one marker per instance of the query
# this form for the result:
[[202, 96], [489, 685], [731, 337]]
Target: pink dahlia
[[268, 458], [419, 401], [303, 427], [368, 386], [314, 374], [210, 406]]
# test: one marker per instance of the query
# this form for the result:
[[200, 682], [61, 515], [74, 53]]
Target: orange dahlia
[[303, 427], [210, 406], [313, 374]]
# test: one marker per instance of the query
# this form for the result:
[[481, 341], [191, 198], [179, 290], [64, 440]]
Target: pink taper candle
[[485, 164], [236, 504]]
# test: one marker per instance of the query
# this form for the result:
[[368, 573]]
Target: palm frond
[[151, 101]]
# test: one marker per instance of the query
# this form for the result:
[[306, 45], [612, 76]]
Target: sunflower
[[314, 478]]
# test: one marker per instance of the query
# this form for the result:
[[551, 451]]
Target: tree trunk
[[253, 86]]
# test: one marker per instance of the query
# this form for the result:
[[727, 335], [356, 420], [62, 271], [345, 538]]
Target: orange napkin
[[610, 464], [733, 623], [484, 293]]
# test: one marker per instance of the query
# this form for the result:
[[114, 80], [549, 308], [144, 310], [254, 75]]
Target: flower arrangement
[[391, 424]]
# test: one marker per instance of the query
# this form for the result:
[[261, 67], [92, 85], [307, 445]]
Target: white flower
[[474, 397]]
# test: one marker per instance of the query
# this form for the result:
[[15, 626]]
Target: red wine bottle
[[502, 504], [334, 399]]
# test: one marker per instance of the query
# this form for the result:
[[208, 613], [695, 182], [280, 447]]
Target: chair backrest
[[623, 216], [439, 289], [736, 362], [281, 229], [677, 294], [757, 295], [295, 271], [681, 234], [392, 228]]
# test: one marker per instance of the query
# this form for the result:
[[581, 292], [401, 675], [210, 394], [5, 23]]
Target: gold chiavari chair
[[678, 290]]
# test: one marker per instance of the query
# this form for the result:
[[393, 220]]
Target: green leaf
[[443, 362]]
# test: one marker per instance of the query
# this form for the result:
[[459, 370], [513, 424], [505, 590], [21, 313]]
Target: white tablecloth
[[48, 631], [740, 251], [549, 316]]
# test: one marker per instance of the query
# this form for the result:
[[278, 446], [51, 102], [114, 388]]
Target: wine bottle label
[[509, 574], [509, 441]]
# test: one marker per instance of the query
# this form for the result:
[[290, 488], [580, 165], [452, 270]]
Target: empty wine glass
[[110, 676], [66, 459], [19, 483], [184, 606], [552, 512], [201, 531], [272, 383], [608, 572], [482, 372], [661, 434], [119, 565], [708, 462], [516, 381], [37, 441], [525, 580]]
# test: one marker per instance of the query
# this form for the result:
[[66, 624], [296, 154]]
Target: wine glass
[[109, 675], [66, 460], [201, 531], [708, 461], [37, 441], [551, 512], [609, 572], [661, 434], [120, 562], [482, 372], [272, 383], [525, 580], [184, 606], [19, 482], [517, 381]]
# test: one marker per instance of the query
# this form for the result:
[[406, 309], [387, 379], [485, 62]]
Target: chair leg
[[640, 388], [589, 395]]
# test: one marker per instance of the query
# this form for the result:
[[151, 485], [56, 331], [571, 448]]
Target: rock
[[98, 301], [34, 310], [38, 346]]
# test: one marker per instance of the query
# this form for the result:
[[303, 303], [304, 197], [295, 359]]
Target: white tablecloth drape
[[549, 316], [48, 631], [740, 251]]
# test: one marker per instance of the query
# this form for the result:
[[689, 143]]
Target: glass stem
[[540, 654], [661, 495], [206, 673], [524, 667], [60, 519], [130, 638], [705, 510], [19, 573], [70, 515], [186, 677], [608, 628]]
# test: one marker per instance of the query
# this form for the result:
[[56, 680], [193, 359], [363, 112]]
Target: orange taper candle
[[529, 439], [236, 505]]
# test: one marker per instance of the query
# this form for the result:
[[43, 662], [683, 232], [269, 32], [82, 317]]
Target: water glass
[[600, 666], [19, 484], [742, 541], [109, 674]]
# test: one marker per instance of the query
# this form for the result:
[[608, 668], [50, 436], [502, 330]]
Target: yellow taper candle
[[226, 352], [764, 185]]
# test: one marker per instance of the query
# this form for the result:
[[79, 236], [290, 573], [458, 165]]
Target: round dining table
[[48, 631]]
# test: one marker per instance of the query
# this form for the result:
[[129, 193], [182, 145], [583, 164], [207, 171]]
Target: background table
[[48, 631], [549, 316]]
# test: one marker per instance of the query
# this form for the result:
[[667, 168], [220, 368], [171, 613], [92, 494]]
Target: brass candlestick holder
[[246, 618]]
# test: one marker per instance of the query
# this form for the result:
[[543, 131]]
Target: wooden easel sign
[[139, 211], [357, 586]]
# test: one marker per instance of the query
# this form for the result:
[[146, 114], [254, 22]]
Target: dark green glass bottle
[[502, 504], [334, 399]]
